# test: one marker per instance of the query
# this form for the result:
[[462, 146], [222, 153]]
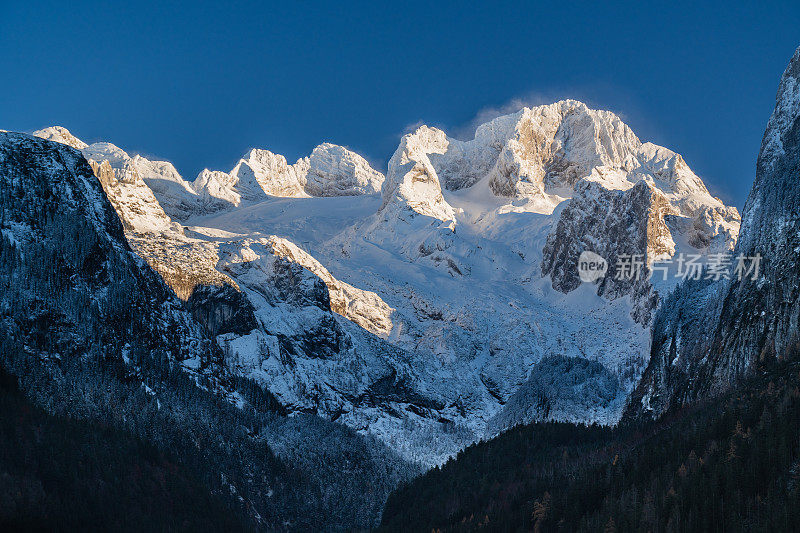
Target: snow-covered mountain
[[448, 306]]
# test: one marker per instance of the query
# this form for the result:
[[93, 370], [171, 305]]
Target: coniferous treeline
[[280, 473], [727, 464], [61, 474]]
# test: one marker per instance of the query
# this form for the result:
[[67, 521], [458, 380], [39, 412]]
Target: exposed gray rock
[[759, 318], [222, 309], [71, 284], [708, 335], [612, 224]]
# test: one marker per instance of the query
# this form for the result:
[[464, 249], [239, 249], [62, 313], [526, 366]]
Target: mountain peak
[[60, 134], [261, 173], [412, 179], [787, 104], [333, 170]]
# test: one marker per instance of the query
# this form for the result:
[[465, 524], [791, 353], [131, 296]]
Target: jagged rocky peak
[[161, 176], [217, 190], [174, 195], [542, 152], [643, 201], [546, 149], [262, 172], [134, 202], [411, 181], [333, 170], [668, 171], [539, 154], [62, 135], [105, 151], [633, 198], [330, 170], [709, 334]]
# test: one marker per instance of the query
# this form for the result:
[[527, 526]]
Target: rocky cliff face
[[182, 262], [71, 282], [709, 334], [554, 146], [639, 201], [412, 183], [222, 309], [614, 224], [759, 318], [362, 307], [175, 196]]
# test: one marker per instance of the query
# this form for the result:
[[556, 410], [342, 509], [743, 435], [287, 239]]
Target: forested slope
[[728, 464], [58, 473]]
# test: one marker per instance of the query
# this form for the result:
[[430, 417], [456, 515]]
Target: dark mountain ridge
[[710, 334], [94, 336]]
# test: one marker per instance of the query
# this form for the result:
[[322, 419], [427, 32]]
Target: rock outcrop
[[412, 183], [71, 284], [62, 135], [619, 226]]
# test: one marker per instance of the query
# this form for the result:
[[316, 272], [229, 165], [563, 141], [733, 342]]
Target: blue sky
[[199, 83]]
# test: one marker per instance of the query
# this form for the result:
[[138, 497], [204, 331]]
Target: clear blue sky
[[199, 83]]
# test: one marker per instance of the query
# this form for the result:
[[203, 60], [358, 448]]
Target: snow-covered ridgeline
[[456, 288], [330, 170]]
